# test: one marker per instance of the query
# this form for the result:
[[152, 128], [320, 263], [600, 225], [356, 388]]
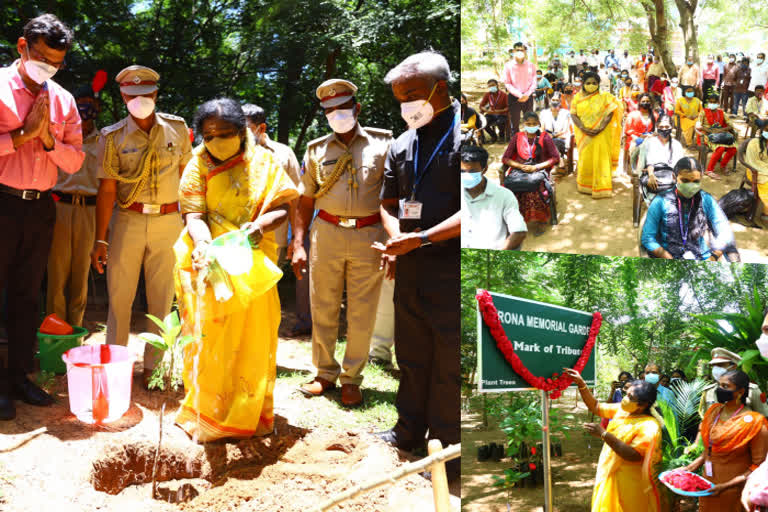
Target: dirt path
[[51, 461], [604, 226], [572, 474]]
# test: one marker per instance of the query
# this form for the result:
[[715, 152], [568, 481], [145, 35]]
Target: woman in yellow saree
[[626, 478], [688, 108], [597, 120], [229, 369]]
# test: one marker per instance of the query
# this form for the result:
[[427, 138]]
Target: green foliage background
[[648, 304], [269, 52]]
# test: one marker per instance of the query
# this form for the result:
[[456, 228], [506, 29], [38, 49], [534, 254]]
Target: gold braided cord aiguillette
[[342, 163], [147, 165]]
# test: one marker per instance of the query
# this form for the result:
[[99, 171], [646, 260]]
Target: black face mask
[[724, 395], [646, 106], [665, 133]]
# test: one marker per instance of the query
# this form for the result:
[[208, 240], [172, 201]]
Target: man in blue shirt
[[686, 222]]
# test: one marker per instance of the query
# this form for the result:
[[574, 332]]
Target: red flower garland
[[555, 385]]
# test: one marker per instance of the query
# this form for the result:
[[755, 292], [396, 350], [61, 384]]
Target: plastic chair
[[704, 153], [758, 200]]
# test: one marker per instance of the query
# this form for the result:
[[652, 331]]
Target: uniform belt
[[74, 198], [27, 195], [154, 209], [347, 222]]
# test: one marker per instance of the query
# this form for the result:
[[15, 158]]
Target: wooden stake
[[451, 452], [439, 479], [157, 453]]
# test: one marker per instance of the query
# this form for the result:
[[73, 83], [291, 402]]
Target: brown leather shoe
[[317, 387], [351, 396]]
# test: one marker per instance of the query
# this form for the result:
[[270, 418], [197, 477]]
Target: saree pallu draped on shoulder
[[230, 369], [620, 485], [598, 155]]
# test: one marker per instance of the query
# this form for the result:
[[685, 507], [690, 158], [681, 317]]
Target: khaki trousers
[[70, 260], [384, 328], [338, 256], [138, 239]]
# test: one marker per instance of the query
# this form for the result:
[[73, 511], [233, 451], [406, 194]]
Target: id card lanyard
[[418, 176], [708, 463], [683, 233]]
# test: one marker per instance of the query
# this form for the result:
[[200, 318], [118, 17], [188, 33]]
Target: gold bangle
[[602, 436], [583, 387]]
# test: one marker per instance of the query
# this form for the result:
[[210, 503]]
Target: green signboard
[[546, 338]]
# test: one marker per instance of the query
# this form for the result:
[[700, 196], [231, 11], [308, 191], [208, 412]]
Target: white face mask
[[141, 107], [419, 112], [37, 70], [717, 372], [342, 121], [762, 345]]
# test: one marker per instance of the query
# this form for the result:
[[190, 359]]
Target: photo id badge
[[708, 468], [410, 209]]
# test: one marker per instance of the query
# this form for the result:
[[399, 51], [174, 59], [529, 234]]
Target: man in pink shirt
[[39, 133], [520, 81], [710, 75]]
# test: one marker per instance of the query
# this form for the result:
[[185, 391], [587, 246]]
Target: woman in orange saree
[[231, 184], [735, 443], [597, 131], [626, 477]]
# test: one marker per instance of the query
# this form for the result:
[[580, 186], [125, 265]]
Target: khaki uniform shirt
[[285, 158], [369, 149], [168, 138], [753, 400], [86, 180]]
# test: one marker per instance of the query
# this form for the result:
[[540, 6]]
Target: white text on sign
[[536, 322]]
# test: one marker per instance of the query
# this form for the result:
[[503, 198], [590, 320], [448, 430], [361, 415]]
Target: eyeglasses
[[39, 56]]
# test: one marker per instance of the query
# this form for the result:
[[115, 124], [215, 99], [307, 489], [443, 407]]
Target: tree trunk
[[296, 60], [330, 68], [657, 26], [687, 10]]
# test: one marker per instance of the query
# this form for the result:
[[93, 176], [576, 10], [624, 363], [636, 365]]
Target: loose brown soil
[[604, 226], [51, 461]]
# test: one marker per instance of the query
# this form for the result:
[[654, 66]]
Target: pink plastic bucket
[[99, 378]]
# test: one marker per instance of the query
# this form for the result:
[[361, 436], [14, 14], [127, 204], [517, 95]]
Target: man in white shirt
[[490, 214], [557, 122], [759, 73], [625, 62]]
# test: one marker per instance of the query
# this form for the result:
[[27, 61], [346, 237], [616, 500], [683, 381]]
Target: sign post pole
[[546, 455]]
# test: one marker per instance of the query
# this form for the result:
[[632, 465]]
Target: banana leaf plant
[[168, 341], [738, 333]]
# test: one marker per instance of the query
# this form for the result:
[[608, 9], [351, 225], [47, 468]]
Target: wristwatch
[[424, 240]]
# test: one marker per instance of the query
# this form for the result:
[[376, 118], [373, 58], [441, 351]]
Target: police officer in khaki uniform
[[342, 180], [142, 158], [73, 234], [723, 361]]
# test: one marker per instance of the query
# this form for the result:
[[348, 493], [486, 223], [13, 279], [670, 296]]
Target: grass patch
[[379, 389]]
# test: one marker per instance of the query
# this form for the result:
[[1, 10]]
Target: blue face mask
[[531, 129], [652, 378], [471, 179], [493, 88], [765, 135], [689, 94]]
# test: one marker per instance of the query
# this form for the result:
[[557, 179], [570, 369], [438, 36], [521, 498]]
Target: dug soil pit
[[50, 460]]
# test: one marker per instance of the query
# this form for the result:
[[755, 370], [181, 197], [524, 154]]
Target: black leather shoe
[[7, 408], [391, 438], [24, 390]]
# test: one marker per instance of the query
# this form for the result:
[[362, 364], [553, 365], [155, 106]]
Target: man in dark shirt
[[420, 209], [494, 106]]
